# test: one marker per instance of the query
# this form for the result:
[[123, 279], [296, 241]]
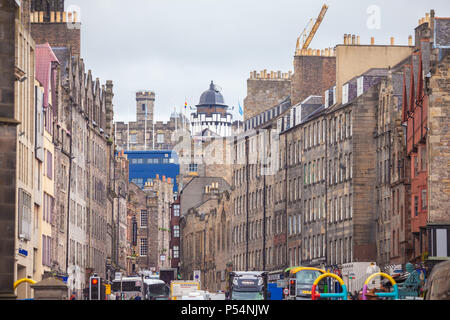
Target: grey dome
[[211, 97]]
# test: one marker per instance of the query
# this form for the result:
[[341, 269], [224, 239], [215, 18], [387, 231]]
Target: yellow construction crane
[[310, 30]]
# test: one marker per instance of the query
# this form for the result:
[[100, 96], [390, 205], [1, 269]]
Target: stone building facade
[[164, 198], [393, 184], [27, 238], [265, 90], [119, 245], [425, 115], [206, 240], [438, 183], [313, 74], [175, 239], [9, 74], [143, 207], [85, 105]]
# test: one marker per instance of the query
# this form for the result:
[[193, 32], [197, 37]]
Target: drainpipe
[[246, 203], [286, 199]]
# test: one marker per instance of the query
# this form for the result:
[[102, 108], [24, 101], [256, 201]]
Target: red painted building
[[175, 243], [415, 110]]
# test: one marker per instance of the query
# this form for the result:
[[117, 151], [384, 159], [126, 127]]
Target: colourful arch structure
[[342, 295], [294, 270], [393, 294], [22, 281]]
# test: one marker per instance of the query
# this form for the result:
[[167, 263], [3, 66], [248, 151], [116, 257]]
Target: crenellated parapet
[[270, 75]]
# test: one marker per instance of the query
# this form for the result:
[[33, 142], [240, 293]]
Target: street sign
[[107, 289], [286, 291], [197, 275]]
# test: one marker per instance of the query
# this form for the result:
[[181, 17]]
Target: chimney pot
[[372, 40], [345, 39], [353, 39], [410, 40], [392, 41]]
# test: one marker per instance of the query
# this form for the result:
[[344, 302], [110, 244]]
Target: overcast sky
[[176, 47]]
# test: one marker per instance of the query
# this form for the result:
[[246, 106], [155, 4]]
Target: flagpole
[[145, 129]]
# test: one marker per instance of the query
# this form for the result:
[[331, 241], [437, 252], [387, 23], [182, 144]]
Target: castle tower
[[145, 104]]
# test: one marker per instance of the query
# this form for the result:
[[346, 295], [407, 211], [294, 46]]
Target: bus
[[301, 280], [130, 288], [248, 285], [156, 289], [127, 288]]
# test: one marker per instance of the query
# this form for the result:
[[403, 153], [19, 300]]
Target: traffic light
[[292, 285], [94, 288]]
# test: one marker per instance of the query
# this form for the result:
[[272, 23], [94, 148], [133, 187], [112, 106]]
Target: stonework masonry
[[312, 76], [206, 241], [438, 143], [58, 32], [8, 140], [265, 90]]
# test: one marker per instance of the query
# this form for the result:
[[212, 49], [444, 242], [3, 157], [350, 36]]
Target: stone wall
[[364, 169], [57, 35], [264, 91], [312, 76], [206, 237], [438, 143]]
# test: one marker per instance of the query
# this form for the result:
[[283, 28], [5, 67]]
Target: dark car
[[437, 286]]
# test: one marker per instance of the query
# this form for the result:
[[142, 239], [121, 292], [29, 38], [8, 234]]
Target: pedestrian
[[73, 296]]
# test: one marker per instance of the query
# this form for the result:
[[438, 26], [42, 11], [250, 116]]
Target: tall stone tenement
[[438, 221], [8, 140], [265, 90]]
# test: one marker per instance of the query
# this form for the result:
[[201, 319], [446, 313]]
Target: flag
[[185, 104], [241, 112]]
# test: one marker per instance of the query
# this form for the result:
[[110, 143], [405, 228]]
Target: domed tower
[[212, 117]]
